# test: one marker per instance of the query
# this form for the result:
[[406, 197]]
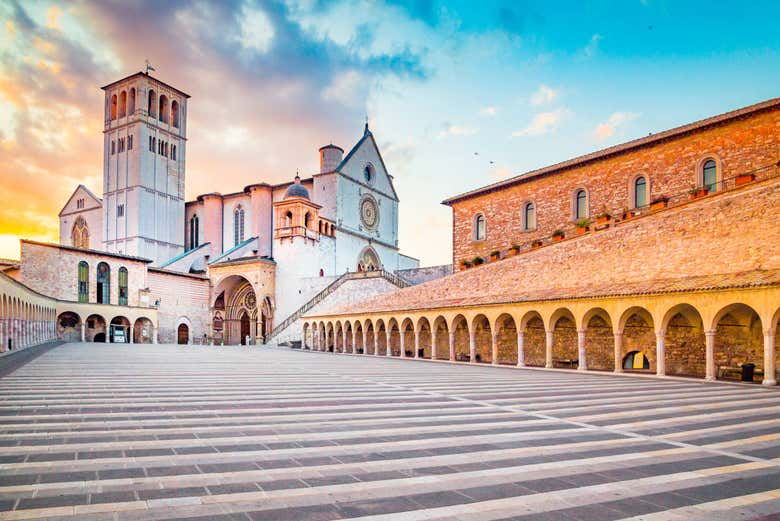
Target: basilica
[[224, 267]]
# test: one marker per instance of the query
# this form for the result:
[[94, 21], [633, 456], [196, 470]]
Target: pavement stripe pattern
[[112, 432]]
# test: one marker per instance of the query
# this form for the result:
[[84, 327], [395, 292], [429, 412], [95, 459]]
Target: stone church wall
[[182, 299], [670, 166]]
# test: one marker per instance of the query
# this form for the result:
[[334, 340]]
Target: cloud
[[257, 33], [607, 128], [543, 95], [499, 174], [543, 123], [593, 46], [488, 111], [348, 88], [455, 130]]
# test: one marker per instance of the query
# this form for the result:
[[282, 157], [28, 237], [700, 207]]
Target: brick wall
[[670, 166], [183, 298], [53, 271]]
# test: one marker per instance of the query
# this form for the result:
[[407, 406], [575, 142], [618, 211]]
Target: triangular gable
[[82, 190], [367, 140]]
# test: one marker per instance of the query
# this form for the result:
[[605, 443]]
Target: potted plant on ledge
[[477, 261], [514, 249], [536, 244], [558, 235], [465, 264], [583, 226], [698, 191], [603, 218], [495, 255], [743, 179], [658, 203]]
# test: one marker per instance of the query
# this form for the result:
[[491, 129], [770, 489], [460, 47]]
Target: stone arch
[[505, 329], [349, 340], [68, 326], [330, 340], [459, 327], [407, 332], [114, 106], [394, 331], [563, 326], [739, 338], [381, 338], [95, 330], [441, 338], [175, 113], [360, 347], [599, 340], [131, 102], [162, 114], [143, 331], [636, 329], [79, 234], [701, 164], [483, 339], [424, 336], [534, 339], [306, 336], [370, 346], [684, 341], [339, 337], [183, 331], [236, 306], [123, 104], [151, 103]]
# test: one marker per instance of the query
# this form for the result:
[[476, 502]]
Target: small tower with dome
[[296, 216]]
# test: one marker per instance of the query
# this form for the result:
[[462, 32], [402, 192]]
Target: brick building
[[658, 255]]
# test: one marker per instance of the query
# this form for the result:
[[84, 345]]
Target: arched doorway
[[236, 312], [69, 327], [245, 328], [183, 334], [143, 331], [96, 329], [368, 260], [119, 330]]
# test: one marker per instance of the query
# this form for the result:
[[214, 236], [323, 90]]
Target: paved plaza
[[109, 432]]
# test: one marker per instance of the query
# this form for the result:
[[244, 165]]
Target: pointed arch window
[[122, 286], [113, 106], [80, 233], [194, 232], [131, 102], [238, 225], [175, 113], [163, 112], [123, 104], [151, 104], [103, 287], [83, 282]]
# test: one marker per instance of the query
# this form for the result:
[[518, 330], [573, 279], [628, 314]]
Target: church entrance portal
[[183, 334]]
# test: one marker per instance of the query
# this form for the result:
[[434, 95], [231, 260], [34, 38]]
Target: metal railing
[[330, 288]]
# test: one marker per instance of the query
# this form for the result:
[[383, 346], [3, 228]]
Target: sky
[[458, 94]]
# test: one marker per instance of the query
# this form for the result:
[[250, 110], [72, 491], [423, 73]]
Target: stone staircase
[[392, 278]]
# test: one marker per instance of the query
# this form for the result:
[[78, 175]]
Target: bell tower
[[144, 150]]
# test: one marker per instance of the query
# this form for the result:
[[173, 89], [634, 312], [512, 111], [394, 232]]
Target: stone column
[[365, 342], [376, 342], [472, 347], [660, 353], [770, 367], [494, 348], [154, 334], [403, 344], [434, 336], [452, 345], [388, 347], [582, 362], [3, 329], [520, 348], [132, 340], [416, 344], [549, 349], [108, 333], [709, 371], [618, 336]]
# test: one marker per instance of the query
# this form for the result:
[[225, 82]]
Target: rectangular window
[[113, 147], [80, 204], [120, 210], [130, 142], [151, 144], [173, 152]]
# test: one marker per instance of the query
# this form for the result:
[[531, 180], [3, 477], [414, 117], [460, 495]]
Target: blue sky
[[523, 84]]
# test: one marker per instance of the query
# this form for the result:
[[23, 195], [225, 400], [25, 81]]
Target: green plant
[[558, 233], [604, 215], [477, 261], [495, 253], [515, 247], [466, 263], [583, 223]]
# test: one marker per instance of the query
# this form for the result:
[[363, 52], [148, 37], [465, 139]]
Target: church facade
[[247, 259]]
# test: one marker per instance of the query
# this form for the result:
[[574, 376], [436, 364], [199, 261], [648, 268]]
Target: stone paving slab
[[95, 431]]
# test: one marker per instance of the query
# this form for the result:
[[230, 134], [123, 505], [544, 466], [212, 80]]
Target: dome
[[296, 189]]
